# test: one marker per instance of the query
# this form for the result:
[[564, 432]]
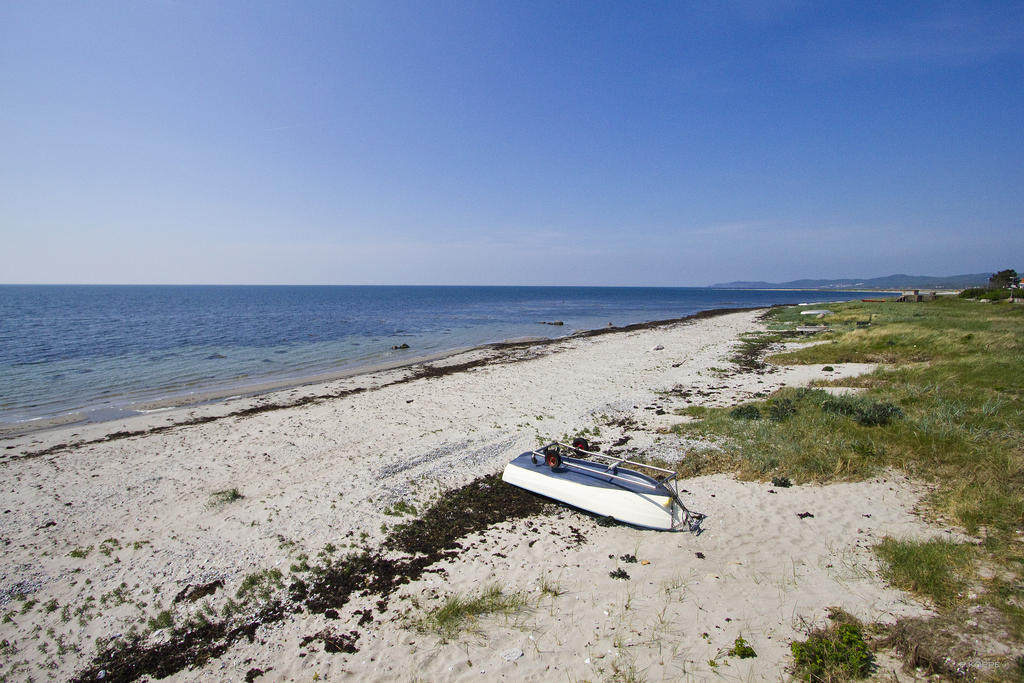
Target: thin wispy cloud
[[966, 35]]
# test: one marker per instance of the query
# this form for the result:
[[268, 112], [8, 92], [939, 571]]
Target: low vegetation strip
[[460, 612], [947, 407]]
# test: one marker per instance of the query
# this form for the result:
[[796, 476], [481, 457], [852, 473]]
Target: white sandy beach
[[325, 471]]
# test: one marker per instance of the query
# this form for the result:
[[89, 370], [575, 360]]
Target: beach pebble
[[512, 655], [659, 347]]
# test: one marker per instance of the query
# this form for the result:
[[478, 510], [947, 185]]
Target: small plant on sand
[[624, 669], [619, 573], [301, 563], [837, 652], [400, 508], [224, 497], [116, 597], [163, 619], [550, 588], [86, 610], [260, 585], [80, 553], [741, 648], [458, 613], [108, 546], [781, 482]]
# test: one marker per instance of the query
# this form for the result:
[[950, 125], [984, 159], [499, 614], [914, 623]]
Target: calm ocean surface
[[99, 350]]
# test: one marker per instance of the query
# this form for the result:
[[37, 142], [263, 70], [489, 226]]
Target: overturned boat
[[600, 484]]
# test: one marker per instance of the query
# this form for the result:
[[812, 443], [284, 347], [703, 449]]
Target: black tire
[[552, 459], [579, 443]]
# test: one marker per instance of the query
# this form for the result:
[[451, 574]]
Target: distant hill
[[886, 282]]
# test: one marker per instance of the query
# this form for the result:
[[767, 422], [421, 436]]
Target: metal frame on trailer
[[691, 520]]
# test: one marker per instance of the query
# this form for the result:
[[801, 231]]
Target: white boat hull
[[629, 497]]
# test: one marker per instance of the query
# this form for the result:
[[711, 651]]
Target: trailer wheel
[[552, 459], [580, 443]]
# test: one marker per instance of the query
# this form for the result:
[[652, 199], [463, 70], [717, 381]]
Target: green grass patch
[[957, 419], [459, 613], [936, 568], [806, 434], [693, 411], [947, 407]]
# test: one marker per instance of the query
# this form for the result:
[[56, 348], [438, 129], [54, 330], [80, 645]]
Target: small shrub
[[781, 482], [742, 649], [863, 411], [619, 573], [833, 654], [840, 405], [781, 409], [878, 414], [747, 411], [80, 553], [828, 368]]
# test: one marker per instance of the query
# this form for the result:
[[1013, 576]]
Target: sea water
[[98, 352]]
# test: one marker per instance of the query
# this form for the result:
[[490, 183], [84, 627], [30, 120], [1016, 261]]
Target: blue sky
[[578, 143]]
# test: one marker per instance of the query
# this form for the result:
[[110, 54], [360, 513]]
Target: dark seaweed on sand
[[407, 553]]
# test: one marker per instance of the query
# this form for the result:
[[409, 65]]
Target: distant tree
[[1004, 278]]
